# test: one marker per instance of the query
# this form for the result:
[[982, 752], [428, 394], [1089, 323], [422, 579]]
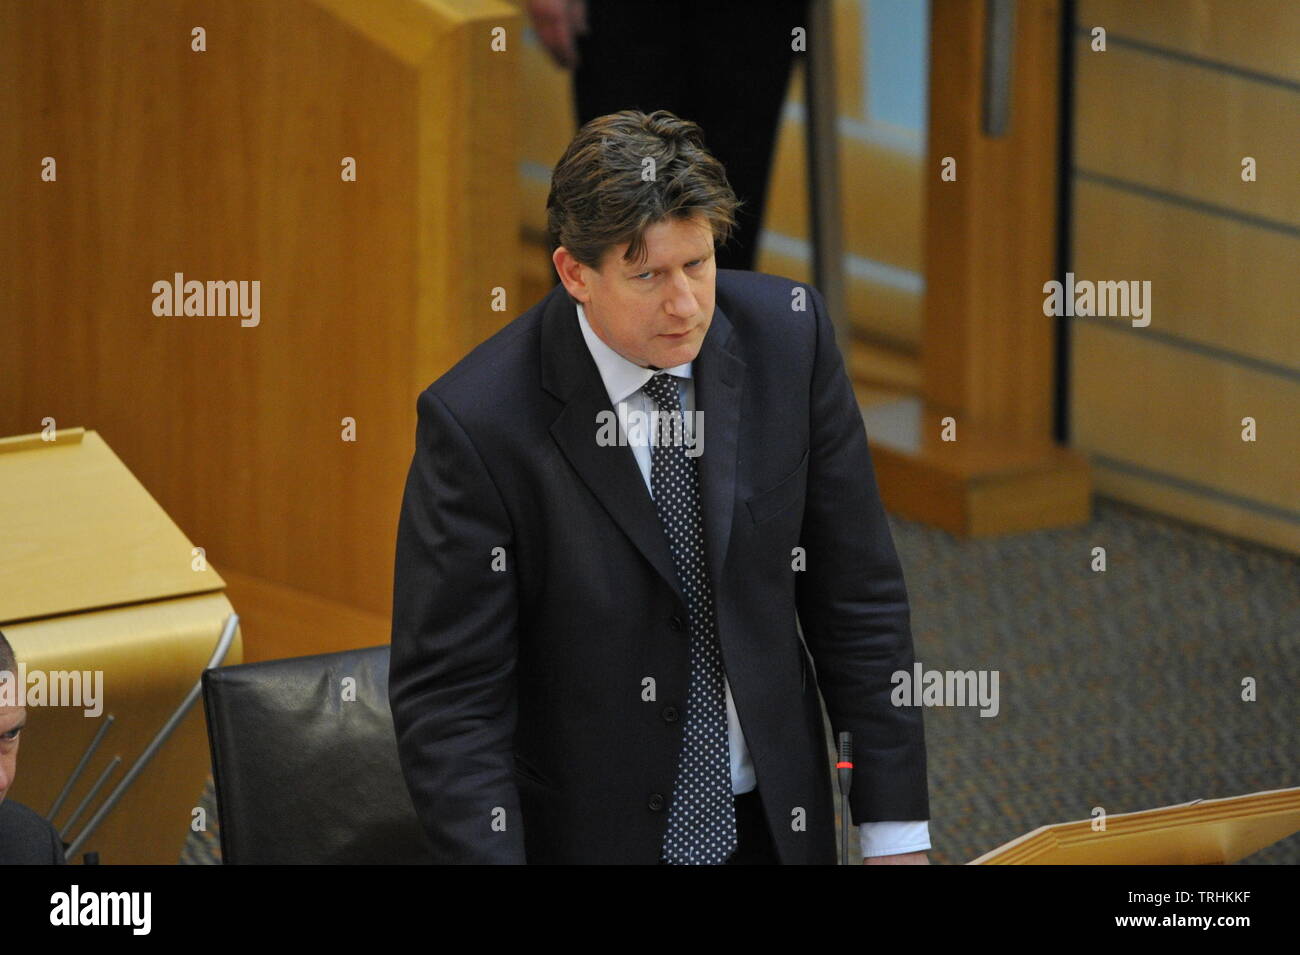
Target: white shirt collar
[[621, 377]]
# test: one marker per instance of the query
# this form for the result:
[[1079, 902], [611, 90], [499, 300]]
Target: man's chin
[[687, 350], [673, 359]]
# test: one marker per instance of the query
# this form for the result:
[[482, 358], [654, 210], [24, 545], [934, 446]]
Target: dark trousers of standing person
[[725, 66]]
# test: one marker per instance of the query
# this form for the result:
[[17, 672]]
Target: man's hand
[[558, 23], [905, 858]]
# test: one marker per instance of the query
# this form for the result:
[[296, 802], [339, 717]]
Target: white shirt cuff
[[894, 838]]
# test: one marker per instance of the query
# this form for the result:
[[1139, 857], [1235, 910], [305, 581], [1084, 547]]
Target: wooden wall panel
[[1256, 35], [1178, 413], [1229, 516], [225, 165], [1185, 89], [883, 192], [1215, 281], [992, 231], [1183, 129]]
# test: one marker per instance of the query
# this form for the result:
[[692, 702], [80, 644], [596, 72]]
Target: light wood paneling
[[851, 23], [1257, 35], [287, 616], [80, 532], [1183, 128], [982, 484], [545, 113], [1158, 493], [878, 366], [879, 312], [1177, 412], [990, 235], [1195, 507], [1186, 89], [1214, 280], [883, 191], [225, 165], [987, 353]]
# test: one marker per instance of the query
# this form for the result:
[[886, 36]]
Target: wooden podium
[[1201, 832], [94, 576]]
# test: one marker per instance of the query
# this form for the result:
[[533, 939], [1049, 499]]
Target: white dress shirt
[[623, 381]]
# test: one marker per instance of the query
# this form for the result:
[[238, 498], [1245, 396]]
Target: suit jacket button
[[676, 622], [669, 714], [656, 802]]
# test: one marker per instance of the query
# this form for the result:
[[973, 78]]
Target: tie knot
[[663, 389]]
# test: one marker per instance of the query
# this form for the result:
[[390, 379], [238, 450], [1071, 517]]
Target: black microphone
[[845, 770]]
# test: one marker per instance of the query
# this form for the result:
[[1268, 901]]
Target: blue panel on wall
[[898, 61]]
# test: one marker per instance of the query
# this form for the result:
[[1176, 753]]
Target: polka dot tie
[[702, 814]]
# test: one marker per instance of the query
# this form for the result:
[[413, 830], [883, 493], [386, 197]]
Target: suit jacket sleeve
[[852, 600], [452, 671]]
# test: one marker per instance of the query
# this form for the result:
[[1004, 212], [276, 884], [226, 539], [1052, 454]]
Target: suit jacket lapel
[[611, 472], [719, 378]]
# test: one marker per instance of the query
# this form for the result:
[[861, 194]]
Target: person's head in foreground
[[12, 718], [636, 208]]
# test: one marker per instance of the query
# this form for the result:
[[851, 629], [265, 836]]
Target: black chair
[[305, 763]]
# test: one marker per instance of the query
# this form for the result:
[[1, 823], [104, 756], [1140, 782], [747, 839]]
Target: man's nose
[[682, 302]]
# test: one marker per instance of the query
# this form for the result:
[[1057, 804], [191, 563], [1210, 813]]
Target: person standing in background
[[724, 66]]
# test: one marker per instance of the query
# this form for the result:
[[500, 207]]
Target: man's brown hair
[[604, 193]]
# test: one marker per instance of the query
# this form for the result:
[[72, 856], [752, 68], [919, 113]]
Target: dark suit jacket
[[26, 838], [535, 594]]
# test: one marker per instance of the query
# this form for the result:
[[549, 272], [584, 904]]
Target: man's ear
[[569, 270]]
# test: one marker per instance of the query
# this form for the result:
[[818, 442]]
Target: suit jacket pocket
[[769, 503]]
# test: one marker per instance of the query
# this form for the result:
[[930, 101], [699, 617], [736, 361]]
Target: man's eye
[[689, 265], [10, 736]]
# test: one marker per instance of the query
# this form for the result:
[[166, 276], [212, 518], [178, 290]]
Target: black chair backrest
[[305, 762]]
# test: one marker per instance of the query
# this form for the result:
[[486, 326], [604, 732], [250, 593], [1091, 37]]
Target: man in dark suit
[[596, 654], [25, 837]]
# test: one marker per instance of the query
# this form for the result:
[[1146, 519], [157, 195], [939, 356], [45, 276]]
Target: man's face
[[12, 719], [656, 312]]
